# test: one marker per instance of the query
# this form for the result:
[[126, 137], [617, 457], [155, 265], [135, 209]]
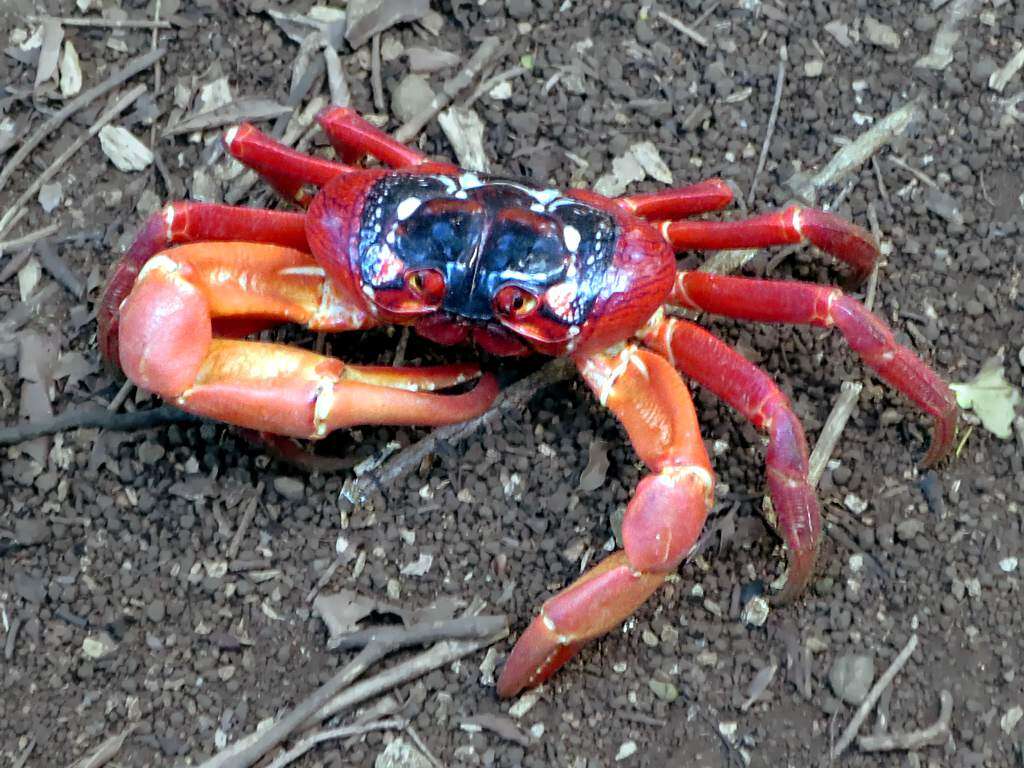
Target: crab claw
[[597, 602]]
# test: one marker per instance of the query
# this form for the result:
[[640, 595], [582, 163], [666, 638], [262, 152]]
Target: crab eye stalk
[[427, 285], [515, 303]]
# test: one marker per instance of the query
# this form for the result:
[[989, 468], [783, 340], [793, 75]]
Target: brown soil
[[122, 532]]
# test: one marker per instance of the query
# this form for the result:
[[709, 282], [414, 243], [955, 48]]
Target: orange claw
[[594, 604]]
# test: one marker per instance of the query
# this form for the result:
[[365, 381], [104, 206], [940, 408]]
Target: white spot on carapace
[[308, 271], [545, 196], [461, 195], [560, 298], [368, 291], [574, 330], [572, 238], [407, 208], [537, 208], [470, 181]]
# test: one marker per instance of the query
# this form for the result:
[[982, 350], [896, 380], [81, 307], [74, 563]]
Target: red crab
[[515, 269]]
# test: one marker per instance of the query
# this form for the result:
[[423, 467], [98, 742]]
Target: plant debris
[[992, 398]]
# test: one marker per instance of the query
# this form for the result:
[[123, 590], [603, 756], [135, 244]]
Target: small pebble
[[290, 488], [851, 677], [626, 749]]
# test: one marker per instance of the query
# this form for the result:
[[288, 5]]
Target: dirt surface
[[123, 603]]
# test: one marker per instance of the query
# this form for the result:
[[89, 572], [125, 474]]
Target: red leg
[[661, 524], [353, 138], [185, 222], [807, 304], [837, 237], [167, 346], [288, 171], [748, 389], [703, 197]]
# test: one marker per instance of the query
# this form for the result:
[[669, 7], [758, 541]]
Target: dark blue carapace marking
[[483, 234]]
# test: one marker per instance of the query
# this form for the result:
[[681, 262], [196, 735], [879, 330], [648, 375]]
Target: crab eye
[[514, 302], [426, 284]]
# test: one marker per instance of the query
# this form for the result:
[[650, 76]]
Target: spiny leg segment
[[773, 301], [714, 364]]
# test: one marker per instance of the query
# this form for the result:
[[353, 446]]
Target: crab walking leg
[[353, 138], [187, 222], [836, 236], [167, 346], [702, 197], [773, 301], [714, 364], [661, 524], [288, 171]]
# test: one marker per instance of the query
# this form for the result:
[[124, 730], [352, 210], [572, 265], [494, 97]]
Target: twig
[[872, 287], [423, 747], [94, 417], [691, 33], [72, 21], [920, 175], [252, 748], [461, 628], [439, 655], [306, 743], [869, 703], [854, 154], [247, 517], [154, 39], [940, 54], [106, 751], [20, 315], [833, 429], [122, 394], [487, 85], [406, 460], [480, 59], [403, 342], [28, 239], [25, 755], [51, 261], [935, 734], [336, 82], [375, 79], [131, 69], [12, 637], [780, 79], [61, 162]]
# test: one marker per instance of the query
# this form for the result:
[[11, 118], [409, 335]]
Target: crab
[[513, 268]]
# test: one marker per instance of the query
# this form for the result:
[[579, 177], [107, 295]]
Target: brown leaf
[[594, 474], [49, 52], [368, 17]]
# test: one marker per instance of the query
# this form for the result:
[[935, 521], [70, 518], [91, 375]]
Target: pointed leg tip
[[801, 569], [943, 437]]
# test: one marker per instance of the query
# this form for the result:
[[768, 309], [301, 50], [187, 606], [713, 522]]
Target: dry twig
[[252, 748], [131, 69], [832, 430], [487, 50], [934, 735], [869, 703], [106, 751], [690, 32], [72, 21], [28, 239], [461, 628], [857, 152], [306, 743], [101, 418], [780, 80], [408, 459], [61, 161]]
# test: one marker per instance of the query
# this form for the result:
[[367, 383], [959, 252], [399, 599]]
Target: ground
[[123, 538]]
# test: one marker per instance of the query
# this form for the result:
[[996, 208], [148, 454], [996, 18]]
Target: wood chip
[[49, 51], [70, 71], [465, 131], [123, 149]]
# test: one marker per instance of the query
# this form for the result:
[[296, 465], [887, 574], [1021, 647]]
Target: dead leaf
[[368, 17], [240, 110], [49, 52], [593, 475], [992, 398], [759, 685], [70, 71], [465, 131]]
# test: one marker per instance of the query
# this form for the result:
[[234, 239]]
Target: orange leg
[[184, 295], [661, 524]]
